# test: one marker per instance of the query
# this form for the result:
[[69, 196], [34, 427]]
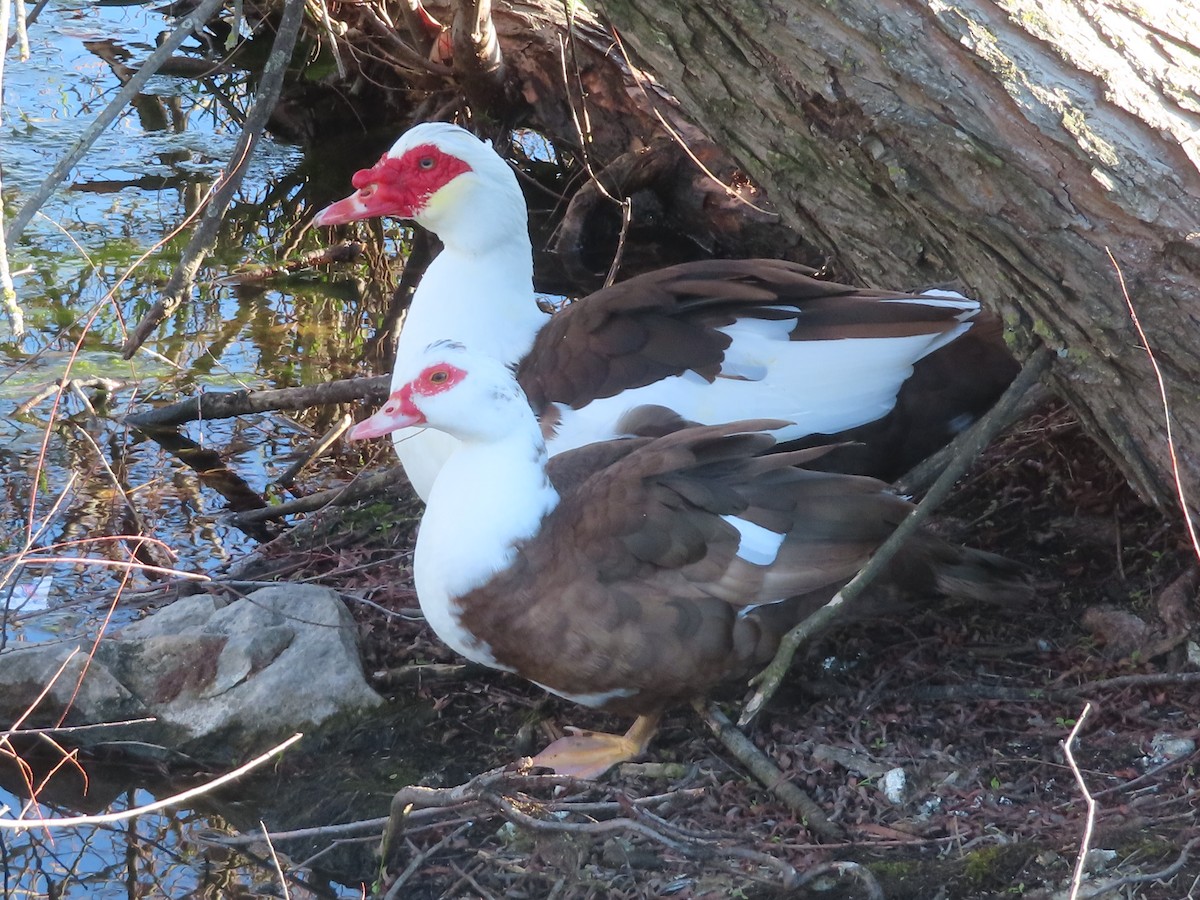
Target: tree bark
[[1008, 145]]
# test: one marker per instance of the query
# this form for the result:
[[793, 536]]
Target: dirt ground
[[971, 706]]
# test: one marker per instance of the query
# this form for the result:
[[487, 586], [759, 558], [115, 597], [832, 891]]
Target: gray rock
[[220, 680]]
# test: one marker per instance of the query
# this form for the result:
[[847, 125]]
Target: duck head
[[467, 395], [440, 176]]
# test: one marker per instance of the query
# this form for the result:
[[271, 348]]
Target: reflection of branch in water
[[204, 237], [213, 473], [50, 183], [347, 251], [149, 183]]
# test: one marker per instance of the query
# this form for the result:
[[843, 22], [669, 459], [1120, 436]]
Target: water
[[76, 480], [135, 187]]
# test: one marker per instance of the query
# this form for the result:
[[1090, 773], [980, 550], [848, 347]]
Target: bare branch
[[1090, 823], [227, 404], [205, 236]]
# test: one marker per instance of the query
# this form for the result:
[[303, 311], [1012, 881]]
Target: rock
[[894, 785], [1118, 631], [1166, 747], [220, 680]]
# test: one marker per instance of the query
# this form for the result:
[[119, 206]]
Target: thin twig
[[418, 860], [186, 27], [409, 57], [1162, 391], [204, 237], [1162, 875], [845, 867], [702, 848], [327, 23], [1090, 822], [676, 136], [981, 432], [275, 859], [72, 729], [173, 800], [315, 450], [357, 489]]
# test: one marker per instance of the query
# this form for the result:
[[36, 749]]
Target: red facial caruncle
[[401, 410], [433, 380], [401, 186]]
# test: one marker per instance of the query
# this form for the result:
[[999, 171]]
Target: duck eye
[[426, 162], [439, 377]]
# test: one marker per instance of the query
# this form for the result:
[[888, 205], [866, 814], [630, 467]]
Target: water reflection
[[139, 183], [168, 853]]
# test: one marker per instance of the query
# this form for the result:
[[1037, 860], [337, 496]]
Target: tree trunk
[[1010, 146]]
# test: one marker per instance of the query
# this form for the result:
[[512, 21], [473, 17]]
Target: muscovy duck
[[630, 575]]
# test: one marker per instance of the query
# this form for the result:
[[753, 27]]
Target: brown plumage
[[635, 581]]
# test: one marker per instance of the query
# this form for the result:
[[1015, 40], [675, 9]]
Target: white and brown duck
[[714, 341], [635, 574]]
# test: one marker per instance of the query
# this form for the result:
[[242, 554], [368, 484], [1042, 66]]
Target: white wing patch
[[758, 545], [595, 701]]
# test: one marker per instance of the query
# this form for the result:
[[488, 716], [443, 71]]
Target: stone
[[219, 679]]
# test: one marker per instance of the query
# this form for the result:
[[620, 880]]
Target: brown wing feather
[[665, 323]]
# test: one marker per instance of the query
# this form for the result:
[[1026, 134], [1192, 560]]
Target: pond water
[[90, 265], [77, 481]]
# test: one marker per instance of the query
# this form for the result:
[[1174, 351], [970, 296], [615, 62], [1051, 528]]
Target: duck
[[638, 573], [712, 340]]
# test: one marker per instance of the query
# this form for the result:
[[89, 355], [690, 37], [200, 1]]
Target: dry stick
[[21, 33], [432, 814], [419, 858], [1120, 681], [275, 859], [339, 496], [693, 847], [1162, 391], [327, 23], [624, 203], [675, 135], [315, 450], [1161, 875], [23, 23], [981, 433], [227, 404], [845, 867], [204, 238], [768, 773], [5, 11], [408, 56], [173, 800], [187, 25], [920, 477], [8, 294], [1090, 824]]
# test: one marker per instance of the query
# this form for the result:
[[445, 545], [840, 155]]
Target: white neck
[[488, 497], [479, 289], [501, 323]]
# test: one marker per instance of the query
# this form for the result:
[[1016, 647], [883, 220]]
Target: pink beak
[[362, 204], [392, 417]]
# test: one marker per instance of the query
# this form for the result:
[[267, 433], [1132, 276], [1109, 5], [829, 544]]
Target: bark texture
[[1009, 145]]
